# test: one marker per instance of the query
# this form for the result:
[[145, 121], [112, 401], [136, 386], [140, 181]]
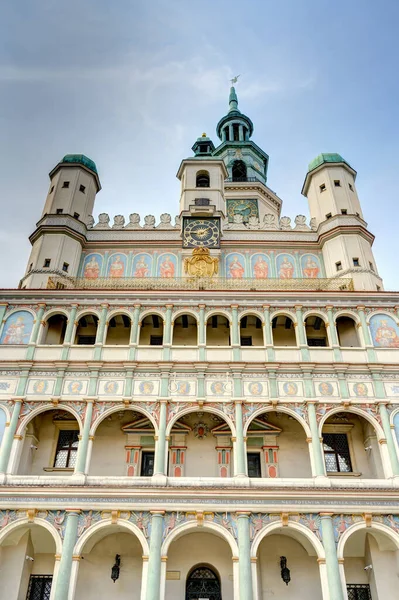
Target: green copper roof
[[80, 159], [326, 158]]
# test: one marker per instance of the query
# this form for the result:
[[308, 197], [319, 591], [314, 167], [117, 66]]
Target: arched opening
[[202, 179], [118, 332], [218, 331], [251, 331], [27, 562], [351, 447], [347, 332], [283, 331], [54, 330], [200, 556], [301, 560], [185, 331], [203, 582], [99, 555], [316, 331], [151, 331], [239, 170], [277, 447], [200, 446], [50, 444], [124, 445], [371, 563], [86, 330]]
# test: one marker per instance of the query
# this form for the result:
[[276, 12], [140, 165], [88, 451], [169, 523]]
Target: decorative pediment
[[142, 425], [259, 426]]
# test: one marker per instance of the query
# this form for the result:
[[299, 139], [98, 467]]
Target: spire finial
[[233, 100]]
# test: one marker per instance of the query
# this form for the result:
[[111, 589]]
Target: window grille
[[336, 453], [203, 583], [254, 469], [147, 464], [246, 340], [39, 587], [67, 448], [358, 591], [317, 342]]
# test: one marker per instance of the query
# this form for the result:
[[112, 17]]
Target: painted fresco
[[167, 266], [235, 266], [384, 331], [92, 266], [18, 328], [117, 266], [260, 266], [146, 387], [255, 388], [182, 387], [310, 266], [361, 390], [41, 387], [142, 265], [325, 388], [247, 208], [75, 387], [8, 386], [285, 264], [290, 388]]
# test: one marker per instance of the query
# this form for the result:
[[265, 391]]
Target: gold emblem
[[201, 264]]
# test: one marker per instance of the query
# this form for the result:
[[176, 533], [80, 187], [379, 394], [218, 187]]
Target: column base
[[159, 479], [322, 481], [79, 478], [3, 478], [242, 480]]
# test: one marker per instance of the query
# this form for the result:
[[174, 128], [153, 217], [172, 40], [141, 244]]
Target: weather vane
[[235, 79]]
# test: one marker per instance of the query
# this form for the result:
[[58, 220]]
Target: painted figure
[[75, 387], [182, 388], [326, 389], [92, 268], [360, 389], [142, 269], [261, 268], [286, 270], [15, 332], [236, 269], [311, 268], [290, 388], [167, 267], [255, 388], [386, 336], [217, 388], [111, 387], [117, 268], [40, 387], [146, 387]]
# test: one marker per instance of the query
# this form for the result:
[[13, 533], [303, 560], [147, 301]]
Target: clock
[[247, 208], [201, 233]]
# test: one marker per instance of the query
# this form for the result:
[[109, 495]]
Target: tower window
[[76, 215], [356, 262], [239, 171], [328, 216], [378, 288], [65, 184], [338, 265], [46, 263], [371, 266], [323, 187], [337, 183], [59, 211], [82, 188], [344, 211], [65, 267], [202, 179], [236, 133], [52, 189], [350, 187], [30, 267]]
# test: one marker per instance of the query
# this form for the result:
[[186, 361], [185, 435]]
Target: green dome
[[80, 159], [326, 158]]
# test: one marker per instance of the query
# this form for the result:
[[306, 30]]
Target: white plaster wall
[[201, 456], [94, 577], [384, 576], [293, 454], [305, 576], [199, 549]]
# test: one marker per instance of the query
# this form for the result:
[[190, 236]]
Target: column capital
[[326, 515], [158, 513], [73, 511], [243, 513]]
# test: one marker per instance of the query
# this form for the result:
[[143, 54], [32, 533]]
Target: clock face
[[203, 233]]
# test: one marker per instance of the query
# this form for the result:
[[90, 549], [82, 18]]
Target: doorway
[[203, 583]]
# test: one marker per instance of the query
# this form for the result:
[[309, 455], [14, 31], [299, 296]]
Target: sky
[[133, 83]]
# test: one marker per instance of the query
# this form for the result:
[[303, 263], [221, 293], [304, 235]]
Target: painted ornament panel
[[17, 328], [142, 266], [235, 266], [117, 266], [8, 386], [92, 266], [290, 388], [218, 387], [255, 388], [326, 388], [260, 266], [167, 266], [360, 389], [310, 266], [146, 387], [182, 387], [75, 387], [392, 388], [384, 331], [285, 266], [111, 387], [40, 387]]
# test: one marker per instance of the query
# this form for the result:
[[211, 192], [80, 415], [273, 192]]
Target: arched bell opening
[[202, 179]]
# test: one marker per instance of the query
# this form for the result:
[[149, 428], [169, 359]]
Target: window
[[253, 460], [378, 288], [30, 267], [65, 267], [60, 286], [86, 340], [239, 171], [202, 179], [371, 266], [65, 184], [328, 216], [202, 201], [344, 211], [338, 265], [82, 188], [337, 183], [319, 342], [59, 211], [156, 340], [350, 187], [39, 587], [336, 453], [52, 189], [67, 448], [356, 262], [246, 340], [76, 215], [147, 464], [358, 591], [323, 187], [46, 263]]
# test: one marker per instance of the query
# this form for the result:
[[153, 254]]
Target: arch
[[394, 537], [211, 582], [117, 408], [150, 312], [295, 527], [191, 526], [283, 313], [211, 410], [347, 331], [357, 411], [313, 338], [86, 337], [85, 312], [106, 524], [220, 312], [239, 170], [54, 328], [217, 333], [283, 335], [182, 312], [7, 412], [248, 312], [154, 333], [184, 330], [36, 521], [391, 416], [283, 409], [202, 179], [45, 408], [347, 313], [55, 311]]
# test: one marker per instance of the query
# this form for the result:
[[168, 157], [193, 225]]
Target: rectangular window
[[358, 591], [328, 216], [371, 266], [350, 187], [82, 188], [337, 183], [156, 340], [356, 262], [59, 211], [76, 215], [147, 464], [338, 265], [378, 288], [344, 211], [65, 267], [317, 342], [253, 460], [30, 267], [46, 263], [52, 189], [86, 340], [39, 587], [336, 453], [323, 187], [67, 448], [65, 184], [246, 340]]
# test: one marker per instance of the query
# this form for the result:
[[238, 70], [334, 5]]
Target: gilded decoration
[[201, 264]]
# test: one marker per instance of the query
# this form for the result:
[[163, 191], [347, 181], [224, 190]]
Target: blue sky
[[133, 83]]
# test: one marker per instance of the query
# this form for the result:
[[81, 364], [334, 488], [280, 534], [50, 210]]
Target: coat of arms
[[201, 264]]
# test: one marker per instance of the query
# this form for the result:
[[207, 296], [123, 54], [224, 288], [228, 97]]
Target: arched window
[[151, 331], [118, 332], [251, 331], [283, 331], [203, 583], [239, 171], [316, 332], [54, 331], [347, 333], [86, 330], [202, 179], [218, 331]]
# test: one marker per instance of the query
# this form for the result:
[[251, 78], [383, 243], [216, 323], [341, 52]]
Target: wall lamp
[[285, 572], [116, 568]]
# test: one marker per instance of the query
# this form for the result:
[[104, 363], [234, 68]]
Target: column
[[316, 442], [167, 332], [100, 332], [231, 134], [134, 332], [160, 449], [80, 466], [65, 568], [69, 331], [35, 333], [303, 343], [333, 573], [388, 434], [235, 332], [241, 133], [268, 334], [154, 559], [9, 433], [239, 450], [366, 335], [201, 333], [244, 556], [333, 335]]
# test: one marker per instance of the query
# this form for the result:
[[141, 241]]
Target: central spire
[[233, 100]]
